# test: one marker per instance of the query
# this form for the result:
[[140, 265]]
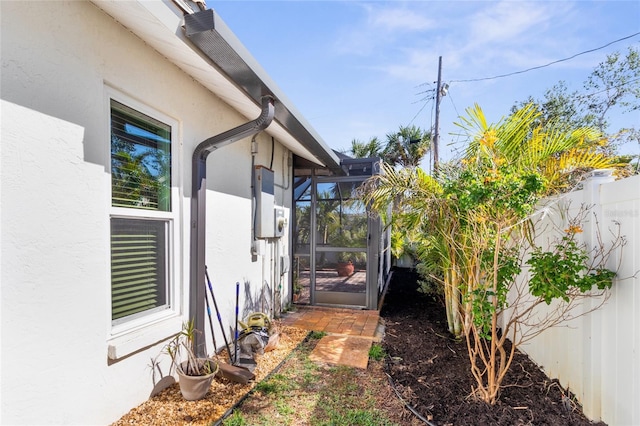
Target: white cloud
[[418, 65], [398, 19], [509, 21], [476, 39], [381, 27], [482, 39], [517, 34]]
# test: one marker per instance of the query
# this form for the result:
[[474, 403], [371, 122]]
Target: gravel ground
[[170, 408]]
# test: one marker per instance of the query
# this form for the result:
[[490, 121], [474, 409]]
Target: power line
[[431, 91], [424, 84], [454, 105], [546, 65], [427, 100], [455, 142]]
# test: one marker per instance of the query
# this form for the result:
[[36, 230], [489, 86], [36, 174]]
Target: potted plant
[[195, 374], [345, 266]]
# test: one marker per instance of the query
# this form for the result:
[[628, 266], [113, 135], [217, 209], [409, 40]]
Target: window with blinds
[[138, 266], [140, 181]]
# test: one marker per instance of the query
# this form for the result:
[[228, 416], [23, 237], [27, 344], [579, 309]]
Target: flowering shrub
[[555, 273]]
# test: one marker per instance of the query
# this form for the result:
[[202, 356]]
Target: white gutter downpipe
[[197, 291]]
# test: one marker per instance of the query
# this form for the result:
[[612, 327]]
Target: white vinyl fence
[[597, 356]]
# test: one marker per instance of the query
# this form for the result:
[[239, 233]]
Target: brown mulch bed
[[170, 408], [431, 370]]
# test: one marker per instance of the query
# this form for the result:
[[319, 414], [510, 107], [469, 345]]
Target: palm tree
[[360, 149], [473, 217], [423, 217], [407, 147], [559, 155], [507, 169], [441, 214]]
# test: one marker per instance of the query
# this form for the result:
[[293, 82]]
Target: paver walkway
[[350, 333]]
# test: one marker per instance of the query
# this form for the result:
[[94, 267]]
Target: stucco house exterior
[[139, 145]]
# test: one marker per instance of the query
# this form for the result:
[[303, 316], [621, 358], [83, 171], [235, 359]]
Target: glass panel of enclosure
[[336, 242], [302, 240], [341, 231]]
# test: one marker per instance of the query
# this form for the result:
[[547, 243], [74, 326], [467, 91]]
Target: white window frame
[[142, 330]]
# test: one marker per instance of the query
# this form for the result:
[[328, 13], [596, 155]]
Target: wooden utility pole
[[436, 131]]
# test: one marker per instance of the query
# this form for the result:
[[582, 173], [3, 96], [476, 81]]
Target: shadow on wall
[[256, 302]]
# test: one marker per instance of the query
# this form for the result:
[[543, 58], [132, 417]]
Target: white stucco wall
[[59, 61]]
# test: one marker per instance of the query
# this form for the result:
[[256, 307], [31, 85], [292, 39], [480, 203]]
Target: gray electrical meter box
[[264, 193]]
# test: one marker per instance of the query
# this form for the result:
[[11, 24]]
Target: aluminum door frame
[[372, 250]]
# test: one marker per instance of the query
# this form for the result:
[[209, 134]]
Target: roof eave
[[236, 77]]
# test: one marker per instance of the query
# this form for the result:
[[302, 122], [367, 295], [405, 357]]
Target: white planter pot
[[196, 387]]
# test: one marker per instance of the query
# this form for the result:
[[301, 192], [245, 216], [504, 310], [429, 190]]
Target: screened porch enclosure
[[337, 243]]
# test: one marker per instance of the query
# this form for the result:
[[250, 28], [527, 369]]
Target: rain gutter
[[199, 206], [208, 32], [225, 52]]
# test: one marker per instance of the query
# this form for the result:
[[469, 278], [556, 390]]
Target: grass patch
[[277, 384], [235, 419], [357, 417], [305, 393], [376, 352], [283, 408], [345, 400], [317, 335]]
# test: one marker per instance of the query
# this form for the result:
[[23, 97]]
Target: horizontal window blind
[[138, 266]]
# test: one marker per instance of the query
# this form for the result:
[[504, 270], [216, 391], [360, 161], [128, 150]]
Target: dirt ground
[[431, 370]]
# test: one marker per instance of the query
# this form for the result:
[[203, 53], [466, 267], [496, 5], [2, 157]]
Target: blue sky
[[359, 69]]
